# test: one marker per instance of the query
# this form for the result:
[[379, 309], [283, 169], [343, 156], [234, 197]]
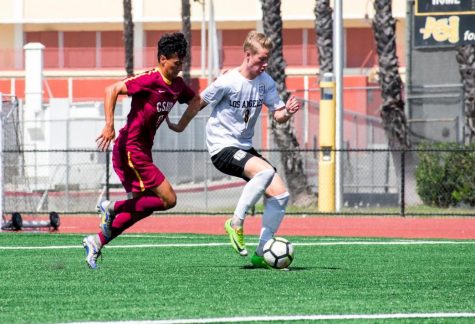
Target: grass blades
[[138, 280]]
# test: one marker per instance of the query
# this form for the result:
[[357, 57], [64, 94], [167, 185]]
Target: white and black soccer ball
[[278, 252]]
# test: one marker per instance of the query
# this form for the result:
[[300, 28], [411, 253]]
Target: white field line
[[295, 318], [178, 237], [204, 237], [168, 245], [174, 237]]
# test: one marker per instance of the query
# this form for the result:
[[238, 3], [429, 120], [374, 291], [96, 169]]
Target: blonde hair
[[255, 39]]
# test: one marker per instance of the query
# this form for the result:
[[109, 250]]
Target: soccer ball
[[278, 253]]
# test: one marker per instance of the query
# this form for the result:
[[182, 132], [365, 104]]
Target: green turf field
[[44, 279]]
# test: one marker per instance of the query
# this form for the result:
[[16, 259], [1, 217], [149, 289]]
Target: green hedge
[[446, 174]]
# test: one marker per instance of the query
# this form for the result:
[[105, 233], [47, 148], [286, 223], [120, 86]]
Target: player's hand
[[106, 137], [292, 105]]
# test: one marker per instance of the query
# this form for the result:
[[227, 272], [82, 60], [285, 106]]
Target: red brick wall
[[47, 38], [360, 48], [80, 48]]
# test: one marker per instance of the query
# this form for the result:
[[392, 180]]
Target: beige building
[[86, 36]]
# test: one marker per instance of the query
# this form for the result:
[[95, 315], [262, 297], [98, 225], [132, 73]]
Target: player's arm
[[284, 114], [194, 106], [108, 132]]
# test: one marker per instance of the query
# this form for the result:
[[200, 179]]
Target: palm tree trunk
[[392, 109], [128, 37], [186, 30], [324, 35], [284, 134], [466, 59]]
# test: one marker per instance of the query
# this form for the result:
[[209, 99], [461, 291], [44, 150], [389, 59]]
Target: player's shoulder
[[226, 79], [148, 73], [153, 71], [266, 80], [179, 80], [229, 74], [265, 77]]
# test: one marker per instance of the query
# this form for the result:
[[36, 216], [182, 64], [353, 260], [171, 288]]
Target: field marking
[[168, 245], [170, 236], [204, 237], [294, 318]]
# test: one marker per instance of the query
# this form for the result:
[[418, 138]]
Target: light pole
[[338, 71], [203, 37]]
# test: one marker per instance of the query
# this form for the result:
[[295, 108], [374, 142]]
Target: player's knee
[[169, 201], [276, 188], [283, 199], [172, 203], [266, 176]]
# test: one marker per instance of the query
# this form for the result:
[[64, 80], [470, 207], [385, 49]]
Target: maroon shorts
[[136, 170]]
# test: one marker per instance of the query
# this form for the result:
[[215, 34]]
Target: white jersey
[[237, 103]]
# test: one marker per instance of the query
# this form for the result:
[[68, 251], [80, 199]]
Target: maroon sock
[[122, 222], [140, 204]]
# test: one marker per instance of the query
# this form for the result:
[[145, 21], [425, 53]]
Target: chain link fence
[[376, 181], [49, 163]]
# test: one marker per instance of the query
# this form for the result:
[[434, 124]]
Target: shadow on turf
[[250, 267]]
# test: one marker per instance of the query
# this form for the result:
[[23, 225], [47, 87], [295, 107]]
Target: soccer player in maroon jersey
[[153, 93]]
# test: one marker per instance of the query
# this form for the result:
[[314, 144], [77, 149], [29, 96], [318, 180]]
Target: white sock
[[252, 192], [273, 214]]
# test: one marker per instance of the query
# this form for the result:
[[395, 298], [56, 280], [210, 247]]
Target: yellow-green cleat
[[237, 238], [259, 262]]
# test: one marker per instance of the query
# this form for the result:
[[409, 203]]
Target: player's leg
[[260, 173], [161, 197], [275, 202], [136, 172], [93, 244], [143, 205], [127, 176], [124, 220], [249, 166], [140, 175]]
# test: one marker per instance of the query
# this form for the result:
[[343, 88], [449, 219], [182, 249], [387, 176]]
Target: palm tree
[[466, 59], [392, 109], [324, 35], [186, 30], [284, 134], [128, 37]]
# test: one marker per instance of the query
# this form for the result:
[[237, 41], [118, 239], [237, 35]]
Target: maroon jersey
[[153, 96]]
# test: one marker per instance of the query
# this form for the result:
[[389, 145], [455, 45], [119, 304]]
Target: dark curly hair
[[172, 43]]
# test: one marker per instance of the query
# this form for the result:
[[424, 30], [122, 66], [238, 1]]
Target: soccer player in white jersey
[[236, 98]]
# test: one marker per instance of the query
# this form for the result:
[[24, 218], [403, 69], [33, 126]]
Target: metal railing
[[375, 182]]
